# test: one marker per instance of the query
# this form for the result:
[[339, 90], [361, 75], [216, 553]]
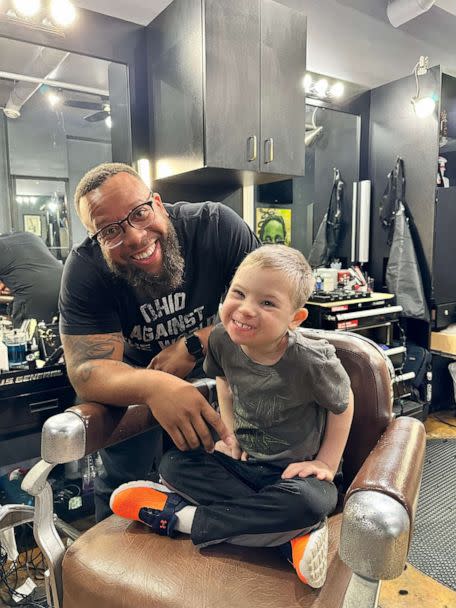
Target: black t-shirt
[[33, 275], [213, 239]]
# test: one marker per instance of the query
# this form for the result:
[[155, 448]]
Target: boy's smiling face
[[258, 309]]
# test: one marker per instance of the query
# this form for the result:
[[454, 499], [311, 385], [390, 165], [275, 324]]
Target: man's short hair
[[291, 263], [94, 178]]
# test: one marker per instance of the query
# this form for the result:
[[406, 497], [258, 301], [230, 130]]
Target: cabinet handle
[[268, 150], [252, 148]]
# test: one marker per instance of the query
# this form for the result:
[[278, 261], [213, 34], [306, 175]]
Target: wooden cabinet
[[226, 92]]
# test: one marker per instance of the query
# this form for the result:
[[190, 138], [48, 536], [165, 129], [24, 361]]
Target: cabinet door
[[232, 55], [283, 66]]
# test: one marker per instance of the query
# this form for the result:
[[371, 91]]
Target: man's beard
[[153, 286]]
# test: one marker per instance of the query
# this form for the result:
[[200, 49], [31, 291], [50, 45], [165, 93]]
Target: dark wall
[[395, 130], [110, 39]]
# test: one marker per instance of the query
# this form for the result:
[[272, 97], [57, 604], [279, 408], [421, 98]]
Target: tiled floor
[[413, 589]]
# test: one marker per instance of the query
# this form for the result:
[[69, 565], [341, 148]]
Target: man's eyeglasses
[[112, 235]]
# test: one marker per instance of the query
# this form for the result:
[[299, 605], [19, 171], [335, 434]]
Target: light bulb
[[307, 83], [54, 99], [321, 87], [27, 8], [337, 89], [424, 106], [63, 12]]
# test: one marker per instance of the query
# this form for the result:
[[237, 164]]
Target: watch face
[[194, 346]]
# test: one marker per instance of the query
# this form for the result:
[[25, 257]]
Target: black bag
[[334, 216], [393, 195], [419, 361], [325, 246]]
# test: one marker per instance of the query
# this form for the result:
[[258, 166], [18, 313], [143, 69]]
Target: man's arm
[[96, 370], [176, 359], [331, 450]]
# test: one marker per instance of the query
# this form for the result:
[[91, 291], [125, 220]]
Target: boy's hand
[[318, 468], [234, 450]]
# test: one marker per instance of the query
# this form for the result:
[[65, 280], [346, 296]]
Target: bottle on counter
[[4, 363]]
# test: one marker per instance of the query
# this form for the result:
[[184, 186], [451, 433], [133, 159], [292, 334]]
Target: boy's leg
[[241, 502], [197, 475], [245, 503]]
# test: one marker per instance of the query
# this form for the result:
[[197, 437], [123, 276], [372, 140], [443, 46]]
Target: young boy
[[287, 400]]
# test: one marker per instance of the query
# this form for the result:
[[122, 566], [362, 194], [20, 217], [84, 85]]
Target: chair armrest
[[381, 502], [86, 428]]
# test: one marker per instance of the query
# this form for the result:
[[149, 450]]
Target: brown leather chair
[[121, 564]]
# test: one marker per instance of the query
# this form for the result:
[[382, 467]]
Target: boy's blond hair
[[291, 263]]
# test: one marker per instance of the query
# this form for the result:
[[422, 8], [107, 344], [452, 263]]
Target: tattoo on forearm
[[80, 350]]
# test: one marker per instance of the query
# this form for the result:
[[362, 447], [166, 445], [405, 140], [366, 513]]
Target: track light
[[27, 8], [47, 15], [62, 12], [337, 90], [320, 87], [423, 106]]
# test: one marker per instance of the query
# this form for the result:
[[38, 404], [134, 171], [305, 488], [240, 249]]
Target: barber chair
[[121, 564]]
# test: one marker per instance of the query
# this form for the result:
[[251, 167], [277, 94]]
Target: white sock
[[185, 519]]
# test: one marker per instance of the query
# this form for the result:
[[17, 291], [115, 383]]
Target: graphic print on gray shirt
[[280, 410]]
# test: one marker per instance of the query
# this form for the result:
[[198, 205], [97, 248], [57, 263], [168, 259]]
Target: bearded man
[[137, 304]]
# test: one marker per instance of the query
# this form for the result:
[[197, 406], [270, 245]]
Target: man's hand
[[318, 468], [233, 449], [174, 359], [185, 414], [4, 289]]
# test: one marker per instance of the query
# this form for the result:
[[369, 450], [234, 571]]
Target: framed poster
[[32, 223], [273, 226]]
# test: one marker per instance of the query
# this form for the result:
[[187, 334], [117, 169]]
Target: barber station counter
[[27, 399]]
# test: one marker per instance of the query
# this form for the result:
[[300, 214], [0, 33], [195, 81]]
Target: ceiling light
[[321, 87], [307, 82], [337, 90], [423, 106], [55, 99], [11, 112], [27, 8], [108, 122], [62, 12]]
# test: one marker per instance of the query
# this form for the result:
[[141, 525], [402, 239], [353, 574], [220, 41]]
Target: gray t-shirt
[[280, 410]]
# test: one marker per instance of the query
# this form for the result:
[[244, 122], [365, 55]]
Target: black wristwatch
[[194, 347]]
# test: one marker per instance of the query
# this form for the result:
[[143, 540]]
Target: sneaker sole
[[313, 564], [137, 484]]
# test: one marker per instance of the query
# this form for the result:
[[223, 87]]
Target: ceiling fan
[[101, 109]]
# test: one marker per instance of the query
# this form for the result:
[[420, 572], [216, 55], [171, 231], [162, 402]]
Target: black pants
[[136, 458], [245, 503]]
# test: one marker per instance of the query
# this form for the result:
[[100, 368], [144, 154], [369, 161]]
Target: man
[[143, 290], [31, 274]]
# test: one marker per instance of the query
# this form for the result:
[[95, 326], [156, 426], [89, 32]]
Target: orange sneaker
[[310, 556], [148, 502]]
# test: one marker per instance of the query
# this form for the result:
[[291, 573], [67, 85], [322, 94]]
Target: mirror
[[59, 115], [290, 211]]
